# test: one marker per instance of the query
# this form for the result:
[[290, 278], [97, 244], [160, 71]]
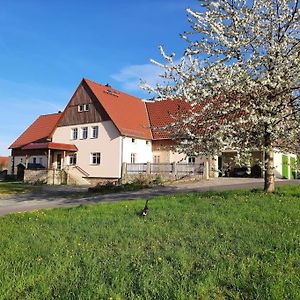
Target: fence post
[[148, 168], [206, 169], [174, 169], [124, 172]]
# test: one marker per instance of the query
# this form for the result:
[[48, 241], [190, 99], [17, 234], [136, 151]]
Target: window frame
[[191, 160], [73, 159], [93, 131], [80, 107], [133, 158], [73, 130], [156, 159], [95, 158], [84, 137]]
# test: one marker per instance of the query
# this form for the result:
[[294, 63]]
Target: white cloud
[[130, 77]]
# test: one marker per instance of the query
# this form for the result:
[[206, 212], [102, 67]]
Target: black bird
[[145, 210]]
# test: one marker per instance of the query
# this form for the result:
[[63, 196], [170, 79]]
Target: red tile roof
[[163, 113], [132, 116], [4, 161], [50, 145], [39, 131], [128, 113]]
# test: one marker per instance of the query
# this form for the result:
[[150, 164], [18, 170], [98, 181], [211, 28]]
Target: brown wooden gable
[[83, 95]]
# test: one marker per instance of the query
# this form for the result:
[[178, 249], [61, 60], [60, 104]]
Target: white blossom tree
[[240, 72]]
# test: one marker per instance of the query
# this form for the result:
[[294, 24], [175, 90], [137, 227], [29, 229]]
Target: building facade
[[101, 128]]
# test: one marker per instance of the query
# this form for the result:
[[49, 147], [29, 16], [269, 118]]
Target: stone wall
[[45, 176], [102, 181], [34, 176]]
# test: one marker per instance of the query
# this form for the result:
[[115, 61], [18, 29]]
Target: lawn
[[232, 245], [14, 187]]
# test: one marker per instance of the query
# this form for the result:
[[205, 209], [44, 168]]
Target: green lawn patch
[[231, 245], [14, 188]]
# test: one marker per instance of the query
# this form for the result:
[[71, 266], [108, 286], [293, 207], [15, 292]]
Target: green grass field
[[233, 245], [14, 187]]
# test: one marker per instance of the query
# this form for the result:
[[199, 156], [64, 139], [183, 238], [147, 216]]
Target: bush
[[138, 183]]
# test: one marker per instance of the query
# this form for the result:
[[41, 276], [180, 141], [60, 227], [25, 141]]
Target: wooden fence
[[164, 169]]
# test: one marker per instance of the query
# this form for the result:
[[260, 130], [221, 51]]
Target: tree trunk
[[269, 186]]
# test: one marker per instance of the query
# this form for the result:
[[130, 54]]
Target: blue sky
[[47, 47]]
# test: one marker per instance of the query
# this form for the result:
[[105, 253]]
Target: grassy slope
[[217, 245]]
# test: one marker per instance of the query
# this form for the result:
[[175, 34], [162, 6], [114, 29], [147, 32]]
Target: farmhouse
[[101, 130]]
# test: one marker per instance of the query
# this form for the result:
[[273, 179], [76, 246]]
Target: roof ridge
[[110, 87], [58, 113]]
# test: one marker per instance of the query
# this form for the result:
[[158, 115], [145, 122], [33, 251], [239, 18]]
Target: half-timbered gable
[[83, 108]]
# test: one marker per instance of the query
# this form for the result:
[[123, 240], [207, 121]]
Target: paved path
[[64, 196]]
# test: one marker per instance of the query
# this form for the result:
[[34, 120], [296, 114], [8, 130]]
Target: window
[[191, 159], [156, 159], [80, 108], [74, 133], [73, 159], [133, 140], [83, 107], [133, 158], [34, 160], [95, 158], [84, 133], [95, 131], [41, 161], [147, 143]]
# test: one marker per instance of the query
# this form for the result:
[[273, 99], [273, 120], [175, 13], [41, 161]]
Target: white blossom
[[241, 74]]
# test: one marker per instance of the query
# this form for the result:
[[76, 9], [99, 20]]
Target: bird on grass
[[144, 212]]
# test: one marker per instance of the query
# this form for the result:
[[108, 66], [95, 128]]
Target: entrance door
[[58, 161], [285, 167], [220, 166], [293, 168]]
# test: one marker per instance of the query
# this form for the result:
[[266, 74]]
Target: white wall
[[108, 144], [140, 147], [178, 157]]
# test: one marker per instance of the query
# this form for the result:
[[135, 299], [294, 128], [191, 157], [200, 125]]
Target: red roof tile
[[39, 131], [50, 145], [163, 113], [128, 113]]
